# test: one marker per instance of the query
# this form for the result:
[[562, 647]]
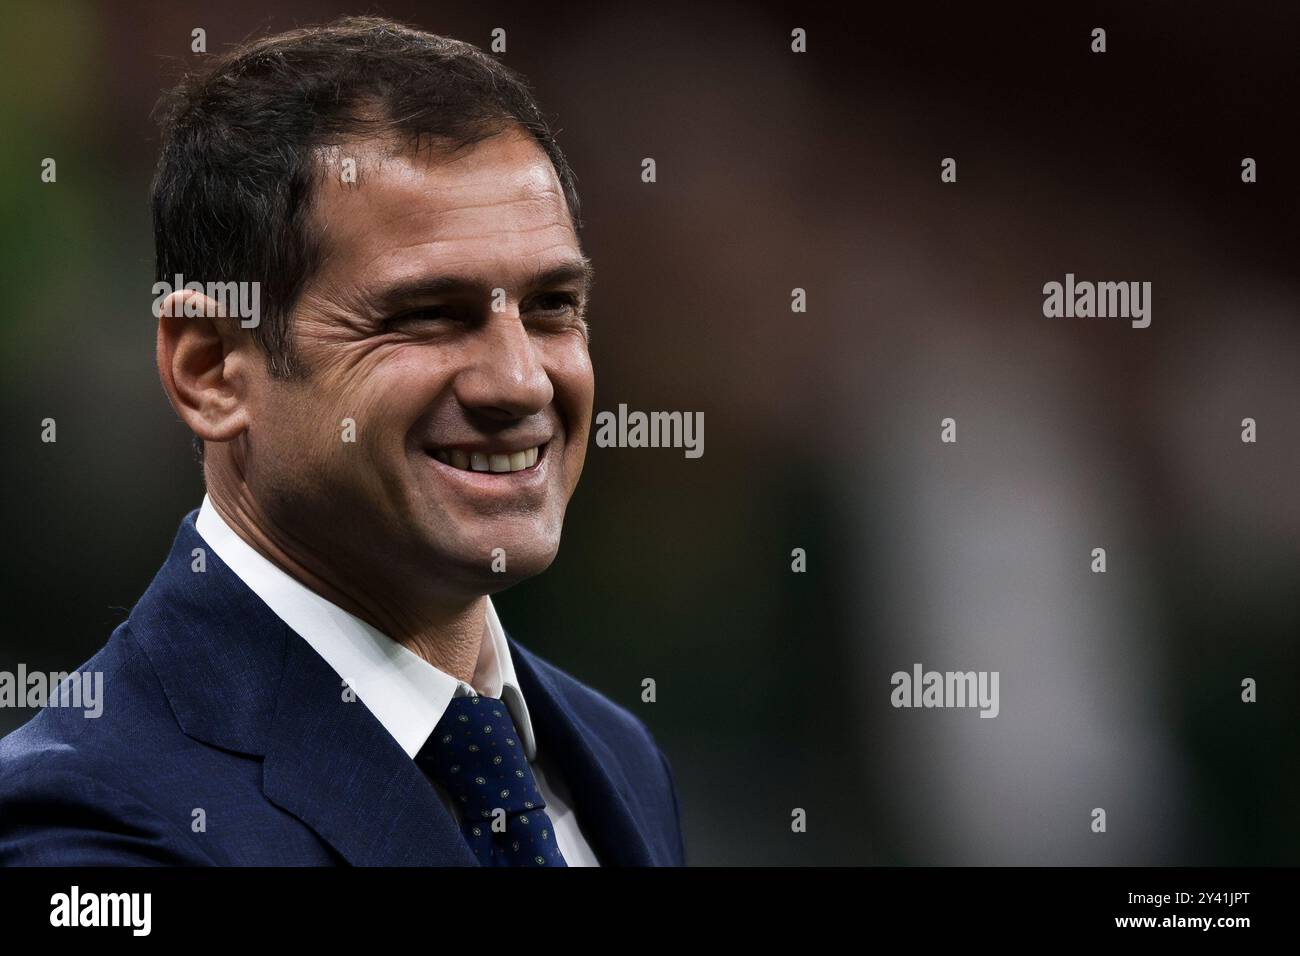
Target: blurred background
[[820, 171]]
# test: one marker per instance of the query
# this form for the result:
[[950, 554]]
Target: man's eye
[[556, 302], [427, 314]]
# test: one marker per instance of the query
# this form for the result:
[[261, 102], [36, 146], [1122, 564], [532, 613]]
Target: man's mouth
[[495, 462]]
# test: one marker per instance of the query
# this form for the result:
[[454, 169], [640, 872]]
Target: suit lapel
[[238, 678], [331, 764], [602, 797]]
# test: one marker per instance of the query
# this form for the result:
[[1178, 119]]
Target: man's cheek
[[348, 418]]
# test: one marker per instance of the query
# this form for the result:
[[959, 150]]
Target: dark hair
[[240, 142]]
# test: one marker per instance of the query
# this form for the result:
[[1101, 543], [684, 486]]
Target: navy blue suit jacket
[[211, 702]]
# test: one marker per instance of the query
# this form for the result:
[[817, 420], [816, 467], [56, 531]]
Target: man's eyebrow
[[427, 287]]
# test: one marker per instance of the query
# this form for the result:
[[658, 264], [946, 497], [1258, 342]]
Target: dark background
[[821, 171]]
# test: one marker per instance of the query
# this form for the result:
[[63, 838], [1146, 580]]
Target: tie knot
[[475, 752]]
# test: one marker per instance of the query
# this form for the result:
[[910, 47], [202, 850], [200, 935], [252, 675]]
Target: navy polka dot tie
[[475, 752]]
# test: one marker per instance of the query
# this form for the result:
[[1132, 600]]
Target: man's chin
[[491, 568]]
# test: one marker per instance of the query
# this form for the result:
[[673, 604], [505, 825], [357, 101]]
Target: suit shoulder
[[66, 778], [106, 701]]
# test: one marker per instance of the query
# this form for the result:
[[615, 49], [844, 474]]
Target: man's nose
[[505, 377]]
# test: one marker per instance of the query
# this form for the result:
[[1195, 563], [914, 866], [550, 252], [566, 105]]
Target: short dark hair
[[239, 161]]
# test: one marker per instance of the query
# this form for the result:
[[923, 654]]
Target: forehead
[[495, 208]]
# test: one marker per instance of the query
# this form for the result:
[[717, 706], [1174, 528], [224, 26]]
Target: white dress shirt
[[406, 693]]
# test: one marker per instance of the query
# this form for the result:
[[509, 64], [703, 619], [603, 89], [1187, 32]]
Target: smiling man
[[317, 674]]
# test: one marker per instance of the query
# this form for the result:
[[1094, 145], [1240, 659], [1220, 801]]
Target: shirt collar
[[406, 693]]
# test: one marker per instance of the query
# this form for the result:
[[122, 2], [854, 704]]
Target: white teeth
[[496, 463]]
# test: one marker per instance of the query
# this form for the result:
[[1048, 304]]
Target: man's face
[[446, 323]]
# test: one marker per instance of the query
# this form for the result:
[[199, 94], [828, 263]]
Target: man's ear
[[202, 365]]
